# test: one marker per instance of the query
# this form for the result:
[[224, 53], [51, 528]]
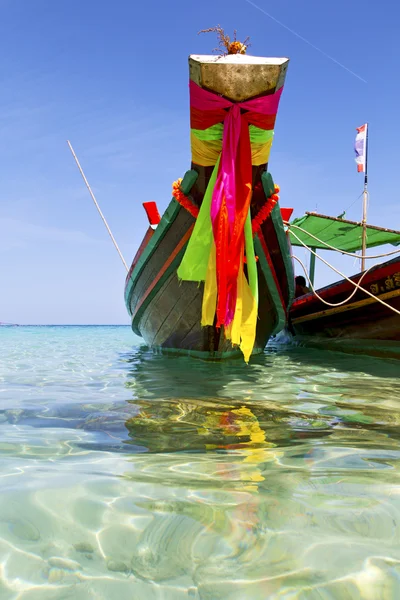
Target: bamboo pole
[[312, 266], [96, 204], [365, 206]]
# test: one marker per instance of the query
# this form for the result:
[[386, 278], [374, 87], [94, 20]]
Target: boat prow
[[214, 279]]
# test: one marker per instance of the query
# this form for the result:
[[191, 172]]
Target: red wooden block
[[286, 213], [152, 212]]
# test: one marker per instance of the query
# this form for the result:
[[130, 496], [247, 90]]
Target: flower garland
[[265, 211], [256, 223], [183, 199]]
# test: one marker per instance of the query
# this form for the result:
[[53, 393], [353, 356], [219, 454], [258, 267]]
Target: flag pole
[[365, 206]]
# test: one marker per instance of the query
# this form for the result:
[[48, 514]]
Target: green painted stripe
[[268, 184], [273, 290], [168, 218], [269, 188], [172, 267], [283, 245]]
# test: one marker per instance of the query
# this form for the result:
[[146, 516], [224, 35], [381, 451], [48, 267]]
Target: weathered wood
[[267, 317], [238, 77], [172, 319], [269, 233], [361, 318], [167, 312], [263, 188], [181, 224], [188, 332], [177, 303]]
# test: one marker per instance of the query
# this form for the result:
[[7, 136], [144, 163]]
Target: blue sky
[[112, 77]]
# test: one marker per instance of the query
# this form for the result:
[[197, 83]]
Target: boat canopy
[[340, 233]]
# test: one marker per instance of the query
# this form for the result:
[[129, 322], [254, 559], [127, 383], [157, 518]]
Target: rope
[[356, 285], [97, 206], [318, 296], [353, 203], [336, 249]]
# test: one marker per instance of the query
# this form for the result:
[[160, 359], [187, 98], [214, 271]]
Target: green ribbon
[[215, 132]]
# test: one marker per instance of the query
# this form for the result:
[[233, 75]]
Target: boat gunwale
[[283, 242], [167, 220], [169, 216], [344, 308], [268, 270], [266, 266], [342, 286], [165, 271]]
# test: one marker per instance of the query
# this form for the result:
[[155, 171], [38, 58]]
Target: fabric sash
[[216, 249]]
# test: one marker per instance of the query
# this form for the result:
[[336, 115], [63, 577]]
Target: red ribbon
[[233, 188]]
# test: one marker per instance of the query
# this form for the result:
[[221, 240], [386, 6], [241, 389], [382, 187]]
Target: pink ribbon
[[234, 176]]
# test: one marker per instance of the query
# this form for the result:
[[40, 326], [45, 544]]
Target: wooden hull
[[166, 312], [362, 325]]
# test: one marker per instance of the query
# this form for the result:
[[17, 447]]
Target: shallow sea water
[[133, 476]]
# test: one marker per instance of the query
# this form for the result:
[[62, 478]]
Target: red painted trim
[[271, 266], [286, 213], [145, 241], [342, 287], [165, 266], [152, 212]]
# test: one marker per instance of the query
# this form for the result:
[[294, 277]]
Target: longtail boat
[[355, 320], [213, 276]]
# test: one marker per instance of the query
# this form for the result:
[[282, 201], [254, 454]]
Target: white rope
[[356, 285], [318, 296], [97, 206], [336, 249]]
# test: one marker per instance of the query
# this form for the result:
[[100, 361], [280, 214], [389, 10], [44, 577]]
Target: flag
[[360, 148]]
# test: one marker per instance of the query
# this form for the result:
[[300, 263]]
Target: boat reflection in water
[[211, 482], [194, 406], [236, 481], [198, 420]]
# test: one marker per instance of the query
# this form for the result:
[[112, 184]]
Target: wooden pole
[[365, 206], [312, 265], [97, 206]]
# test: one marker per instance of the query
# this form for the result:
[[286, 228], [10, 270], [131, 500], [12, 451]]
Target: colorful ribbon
[[207, 144], [226, 207]]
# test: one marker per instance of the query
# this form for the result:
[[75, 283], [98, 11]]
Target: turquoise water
[[138, 477]]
